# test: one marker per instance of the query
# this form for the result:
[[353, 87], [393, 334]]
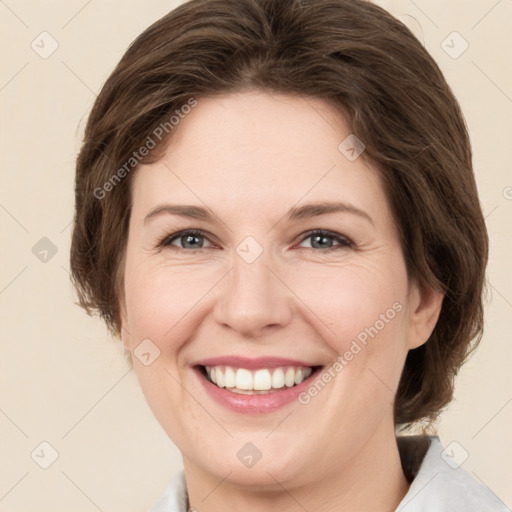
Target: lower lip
[[254, 404]]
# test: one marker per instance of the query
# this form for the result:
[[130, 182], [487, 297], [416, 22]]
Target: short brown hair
[[355, 56]]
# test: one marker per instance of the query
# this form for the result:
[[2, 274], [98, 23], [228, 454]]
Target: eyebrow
[[296, 213]]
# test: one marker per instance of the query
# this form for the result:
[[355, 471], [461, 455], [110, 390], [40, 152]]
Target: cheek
[[161, 300], [360, 312], [160, 303], [353, 302]]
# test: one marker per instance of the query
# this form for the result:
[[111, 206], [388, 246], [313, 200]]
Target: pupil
[[189, 239], [322, 239]]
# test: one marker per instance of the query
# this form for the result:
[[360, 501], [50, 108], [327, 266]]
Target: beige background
[[63, 381]]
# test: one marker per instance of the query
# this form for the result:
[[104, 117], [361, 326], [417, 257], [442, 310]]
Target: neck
[[372, 481]]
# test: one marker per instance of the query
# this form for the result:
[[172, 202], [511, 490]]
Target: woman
[[276, 213]]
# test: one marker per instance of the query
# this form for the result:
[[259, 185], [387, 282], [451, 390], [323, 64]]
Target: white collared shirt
[[439, 485]]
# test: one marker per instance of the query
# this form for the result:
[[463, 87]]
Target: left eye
[[325, 240]]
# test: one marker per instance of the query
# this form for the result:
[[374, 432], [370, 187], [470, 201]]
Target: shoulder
[[440, 484]]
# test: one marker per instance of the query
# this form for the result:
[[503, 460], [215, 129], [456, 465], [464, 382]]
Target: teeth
[[289, 378], [219, 377], [241, 380], [278, 379], [262, 380], [229, 378]]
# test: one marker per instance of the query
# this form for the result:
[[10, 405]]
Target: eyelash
[[343, 241]]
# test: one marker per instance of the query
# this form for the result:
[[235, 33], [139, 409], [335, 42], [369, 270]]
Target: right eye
[[191, 240]]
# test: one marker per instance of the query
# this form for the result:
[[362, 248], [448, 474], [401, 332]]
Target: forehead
[[259, 151]]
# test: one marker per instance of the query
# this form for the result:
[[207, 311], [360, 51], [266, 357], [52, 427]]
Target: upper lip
[[252, 363]]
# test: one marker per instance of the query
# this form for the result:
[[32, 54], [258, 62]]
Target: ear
[[426, 305]]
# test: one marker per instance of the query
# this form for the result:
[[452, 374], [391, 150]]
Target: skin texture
[[250, 157]]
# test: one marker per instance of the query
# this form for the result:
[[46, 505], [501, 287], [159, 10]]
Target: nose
[[253, 300]]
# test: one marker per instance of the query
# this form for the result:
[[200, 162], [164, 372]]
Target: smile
[[255, 385], [259, 381]]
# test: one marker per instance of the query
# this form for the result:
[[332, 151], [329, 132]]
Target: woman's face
[[255, 299]]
